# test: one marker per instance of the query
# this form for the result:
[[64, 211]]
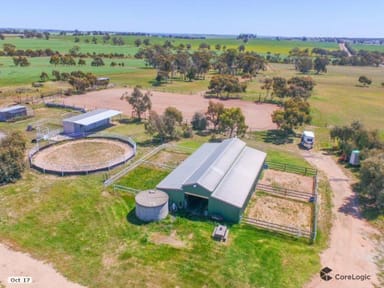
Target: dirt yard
[[82, 154], [258, 116], [287, 180], [280, 211]]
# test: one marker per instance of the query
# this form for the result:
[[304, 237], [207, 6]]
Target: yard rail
[[285, 192], [135, 164], [294, 231], [306, 171]]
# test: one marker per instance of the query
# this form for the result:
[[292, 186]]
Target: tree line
[[170, 124], [371, 172]]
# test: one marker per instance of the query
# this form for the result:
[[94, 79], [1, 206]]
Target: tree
[[241, 48], [97, 61], [296, 112], [365, 80], [140, 102], [44, 76], [146, 42], [304, 64], [138, 42], [21, 61], [12, 152], [267, 85], [279, 87], [2, 36], [225, 83], [215, 109], [81, 62], [163, 126], [320, 64], [57, 75], [199, 121], [372, 179], [55, 59], [174, 113], [232, 122]]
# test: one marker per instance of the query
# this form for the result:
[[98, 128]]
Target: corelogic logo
[[324, 274]]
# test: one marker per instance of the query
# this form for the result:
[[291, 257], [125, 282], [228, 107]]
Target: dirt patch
[[280, 211], [287, 180], [15, 263], [257, 116], [172, 239], [172, 158], [82, 155]]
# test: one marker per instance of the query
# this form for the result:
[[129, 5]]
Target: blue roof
[[92, 116]]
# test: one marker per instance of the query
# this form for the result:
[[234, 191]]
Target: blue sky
[[268, 17]]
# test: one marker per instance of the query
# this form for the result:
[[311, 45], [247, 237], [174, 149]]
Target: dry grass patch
[[280, 211], [287, 180]]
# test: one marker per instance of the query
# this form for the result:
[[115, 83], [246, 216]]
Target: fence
[[64, 106], [124, 189], [285, 192], [291, 168], [135, 164], [86, 168], [294, 231]]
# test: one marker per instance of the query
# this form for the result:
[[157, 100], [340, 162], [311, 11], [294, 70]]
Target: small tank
[[151, 205]]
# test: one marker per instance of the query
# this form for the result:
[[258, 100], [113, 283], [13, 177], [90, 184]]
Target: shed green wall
[[175, 196], [228, 212], [198, 190]]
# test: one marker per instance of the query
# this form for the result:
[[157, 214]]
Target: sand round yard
[[85, 155]]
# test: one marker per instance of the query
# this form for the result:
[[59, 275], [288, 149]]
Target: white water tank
[[151, 205]]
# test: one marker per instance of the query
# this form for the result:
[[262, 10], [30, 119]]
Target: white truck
[[307, 139]]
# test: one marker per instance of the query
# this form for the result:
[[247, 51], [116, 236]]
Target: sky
[[334, 18]]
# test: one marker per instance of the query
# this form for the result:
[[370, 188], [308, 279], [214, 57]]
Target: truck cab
[[307, 139]]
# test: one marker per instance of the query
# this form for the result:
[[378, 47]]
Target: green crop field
[[358, 47]]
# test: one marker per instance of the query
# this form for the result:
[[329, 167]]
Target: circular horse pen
[[82, 156]]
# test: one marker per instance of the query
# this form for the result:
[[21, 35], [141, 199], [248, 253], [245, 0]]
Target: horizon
[[295, 19]]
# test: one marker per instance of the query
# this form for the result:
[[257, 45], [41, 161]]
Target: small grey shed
[[151, 205]]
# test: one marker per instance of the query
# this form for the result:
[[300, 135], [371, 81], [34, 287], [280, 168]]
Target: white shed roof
[[227, 170], [11, 108], [92, 116]]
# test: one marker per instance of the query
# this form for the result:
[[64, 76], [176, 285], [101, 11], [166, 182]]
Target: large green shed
[[221, 175]]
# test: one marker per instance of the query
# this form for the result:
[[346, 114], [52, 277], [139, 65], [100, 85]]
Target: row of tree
[[79, 80], [12, 157], [195, 65], [295, 87], [228, 121]]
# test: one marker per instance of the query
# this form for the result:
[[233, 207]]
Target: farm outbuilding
[[151, 205], [11, 112], [89, 121], [221, 177]]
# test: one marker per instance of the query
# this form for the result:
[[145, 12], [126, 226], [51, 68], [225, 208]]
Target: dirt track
[[258, 116], [351, 249], [43, 275]]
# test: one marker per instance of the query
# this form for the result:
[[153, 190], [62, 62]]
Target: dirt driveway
[[258, 116], [351, 249], [43, 275]]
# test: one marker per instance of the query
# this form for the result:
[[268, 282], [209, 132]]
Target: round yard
[[85, 155]]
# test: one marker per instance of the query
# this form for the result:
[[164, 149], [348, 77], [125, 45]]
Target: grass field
[[90, 233], [358, 47], [262, 46]]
